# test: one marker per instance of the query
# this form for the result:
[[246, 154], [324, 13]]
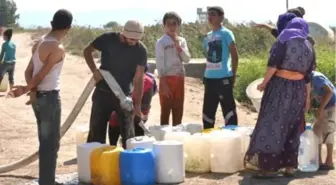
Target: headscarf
[[283, 20], [152, 78], [146, 67], [296, 28]]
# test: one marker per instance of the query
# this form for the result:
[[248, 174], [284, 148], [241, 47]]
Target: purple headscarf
[[296, 28], [283, 20]]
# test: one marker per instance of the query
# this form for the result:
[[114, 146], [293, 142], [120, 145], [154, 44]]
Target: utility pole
[[286, 5]]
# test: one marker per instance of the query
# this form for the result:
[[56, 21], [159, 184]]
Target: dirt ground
[[18, 137]]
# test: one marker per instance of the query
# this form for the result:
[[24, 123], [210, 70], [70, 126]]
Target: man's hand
[[18, 91], [137, 111], [259, 26], [177, 43], [32, 98], [97, 75]]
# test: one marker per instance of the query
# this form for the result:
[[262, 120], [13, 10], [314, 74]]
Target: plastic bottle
[[308, 151]]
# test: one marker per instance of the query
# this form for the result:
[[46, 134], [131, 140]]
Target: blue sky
[[98, 12]]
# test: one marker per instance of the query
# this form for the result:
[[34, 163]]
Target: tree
[[8, 15]]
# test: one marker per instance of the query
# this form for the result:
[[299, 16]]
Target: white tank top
[[52, 80]]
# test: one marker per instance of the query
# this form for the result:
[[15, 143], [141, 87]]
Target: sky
[[98, 12]]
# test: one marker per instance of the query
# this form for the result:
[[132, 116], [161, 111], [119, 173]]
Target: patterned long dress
[[276, 137]]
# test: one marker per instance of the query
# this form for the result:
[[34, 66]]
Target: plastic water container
[[4, 83], [169, 162], [254, 94], [176, 136], [230, 127], [209, 130], [193, 128], [159, 131], [246, 134], [137, 166], [83, 160], [308, 151], [95, 164], [197, 153], [179, 128], [109, 164], [226, 151], [104, 163], [140, 142], [82, 133]]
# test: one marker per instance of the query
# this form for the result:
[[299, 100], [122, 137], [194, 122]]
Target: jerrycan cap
[[230, 127], [308, 127]]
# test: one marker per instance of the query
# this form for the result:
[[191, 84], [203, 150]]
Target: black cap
[[217, 9]]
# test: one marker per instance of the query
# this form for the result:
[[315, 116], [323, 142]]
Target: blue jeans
[[47, 109], [7, 68]]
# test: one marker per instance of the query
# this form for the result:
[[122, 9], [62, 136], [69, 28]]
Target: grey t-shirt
[[120, 59]]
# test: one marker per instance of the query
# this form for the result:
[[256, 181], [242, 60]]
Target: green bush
[[250, 41], [256, 68]]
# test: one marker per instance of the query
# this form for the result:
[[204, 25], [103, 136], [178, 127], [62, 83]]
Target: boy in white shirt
[[171, 51]]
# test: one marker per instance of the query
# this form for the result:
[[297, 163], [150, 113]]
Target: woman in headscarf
[[276, 137], [291, 13], [282, 22]]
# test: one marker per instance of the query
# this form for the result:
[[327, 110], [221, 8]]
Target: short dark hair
[[219, 10], [302, 10], [172, 15], [8, 33], [62, 20], [299, 11]]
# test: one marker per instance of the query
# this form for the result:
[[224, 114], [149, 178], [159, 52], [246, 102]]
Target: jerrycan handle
[[138, 138]]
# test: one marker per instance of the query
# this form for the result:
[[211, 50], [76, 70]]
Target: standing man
[[43, 81], [125, 57], [220, 72]]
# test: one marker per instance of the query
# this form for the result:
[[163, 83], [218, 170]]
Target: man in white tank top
[[43, 79]]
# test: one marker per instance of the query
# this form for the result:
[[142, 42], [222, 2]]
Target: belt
[[289, 75], [47, 92]]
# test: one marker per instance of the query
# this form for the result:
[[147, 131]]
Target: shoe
[[325, 167]]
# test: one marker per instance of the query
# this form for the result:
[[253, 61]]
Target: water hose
[[65, 127]]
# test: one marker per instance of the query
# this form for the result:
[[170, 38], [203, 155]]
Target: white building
[[318, 31], [202, 16]]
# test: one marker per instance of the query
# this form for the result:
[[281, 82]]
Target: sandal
[[325, 167], [288, 172]]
